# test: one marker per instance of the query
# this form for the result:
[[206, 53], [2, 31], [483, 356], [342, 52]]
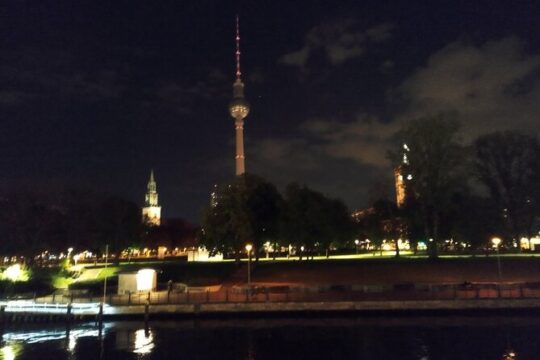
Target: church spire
[[151, 211], [152, 188]]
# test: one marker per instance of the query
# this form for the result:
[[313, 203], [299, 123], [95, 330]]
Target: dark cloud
[[387, 67], [478, 83], [339, 40], [34, 72], [183, 96], [362, 141], [14, 97], [98, 95], [304, 161], [472, 81], [342, 160]]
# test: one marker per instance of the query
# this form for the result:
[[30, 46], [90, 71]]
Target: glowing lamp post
[[356, 242], [496, 242], [70, 250], [248, 250], [105, 279]]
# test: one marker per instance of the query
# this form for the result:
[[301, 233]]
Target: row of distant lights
[[46, 255], [86, 255], [148, 252]]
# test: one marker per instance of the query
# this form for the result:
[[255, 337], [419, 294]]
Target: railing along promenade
[[336, 293], [276, 299]]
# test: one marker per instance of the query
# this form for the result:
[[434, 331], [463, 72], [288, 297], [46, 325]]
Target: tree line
[[33, 221], [463, 194], [251, 210], [469, 193]]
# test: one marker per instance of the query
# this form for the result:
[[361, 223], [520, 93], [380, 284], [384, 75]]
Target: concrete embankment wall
[[269, 309], [311, 308]]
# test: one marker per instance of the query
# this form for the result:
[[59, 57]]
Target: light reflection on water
[[139, 341], [143, 342], [49, 334], [336, 338]]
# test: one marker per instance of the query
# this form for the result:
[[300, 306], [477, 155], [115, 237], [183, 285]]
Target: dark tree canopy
[[250, 210], [246, 211], [508, 164], [383, 221], [311, 220], [34, 221], [435, 161], [475, 221]]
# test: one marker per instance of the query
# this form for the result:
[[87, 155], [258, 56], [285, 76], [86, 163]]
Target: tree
[[30, 224], [508, 164], [382, 221], [411, 213], [247, 210], [35, 221], [311, 220], [263, 205], [340, 225], [118, 224], [172, 233], [476, 221], [369, 227], [435, 161]]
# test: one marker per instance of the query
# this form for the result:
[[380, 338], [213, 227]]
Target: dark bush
[[96, 287], [25, 289]]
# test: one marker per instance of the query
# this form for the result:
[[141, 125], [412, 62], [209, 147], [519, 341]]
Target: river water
[[377, 338]]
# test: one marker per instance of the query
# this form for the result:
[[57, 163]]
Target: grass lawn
[[344, 269], [377, 270], [193, 274]]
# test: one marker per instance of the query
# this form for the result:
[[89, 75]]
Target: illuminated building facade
[[151, 211], [214, 197], [400, 186], [239, 109], [360, 214], [401, 179]]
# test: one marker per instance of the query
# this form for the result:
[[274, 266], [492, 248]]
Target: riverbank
[[251, 309], [365, 270], [283, 309]]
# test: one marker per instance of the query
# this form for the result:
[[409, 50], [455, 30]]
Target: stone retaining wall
[[342, 306]]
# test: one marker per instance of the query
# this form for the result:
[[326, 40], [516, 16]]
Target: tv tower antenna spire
[[238, 71]]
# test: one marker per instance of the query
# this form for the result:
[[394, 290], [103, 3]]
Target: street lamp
[[68, 257], [356, 242], [105, 271], [496, 242], [248, 249]]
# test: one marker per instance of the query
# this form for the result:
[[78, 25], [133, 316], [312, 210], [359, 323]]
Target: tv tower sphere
[[239, 107]]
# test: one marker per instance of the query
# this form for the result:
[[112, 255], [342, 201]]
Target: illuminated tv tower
[[239, 108]]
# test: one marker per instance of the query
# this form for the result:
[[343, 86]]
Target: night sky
[[93, 94]]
